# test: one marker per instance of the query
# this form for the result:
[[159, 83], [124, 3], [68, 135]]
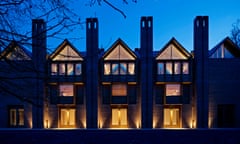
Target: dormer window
[[66, 61], [119, 60], [66, 68]]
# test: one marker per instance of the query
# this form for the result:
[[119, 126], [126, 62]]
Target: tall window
[[177, 68], [107, 69], [119, 116], [66, 90], [169, 69], [160, 68], [53, 69], [185, 68], [78, 69], [171, 117], [67, 117], [119, 89], [173, 90], [131, 68], [16, 116]]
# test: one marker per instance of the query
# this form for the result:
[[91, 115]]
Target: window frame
[[62, 68], [19, 116], [66, 84], [180, 89], [62, 123], [114, 68]]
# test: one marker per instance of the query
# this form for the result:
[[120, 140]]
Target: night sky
[[172, 18]]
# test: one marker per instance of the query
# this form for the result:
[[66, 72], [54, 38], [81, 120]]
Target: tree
[[235, 33], [16, 16], [15, 24]]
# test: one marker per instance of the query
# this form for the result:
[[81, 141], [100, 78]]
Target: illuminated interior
[[17, 54], [119, 89], [67, 118], [16, 116], [173, 90], [171, 52], [171, 118], [119, 53], [66, 54], [119, 117], [66, 90]]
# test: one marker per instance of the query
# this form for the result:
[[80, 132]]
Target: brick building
[[120, 87]]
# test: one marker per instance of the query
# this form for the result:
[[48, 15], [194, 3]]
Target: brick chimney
[[146, 79], [201, 70]]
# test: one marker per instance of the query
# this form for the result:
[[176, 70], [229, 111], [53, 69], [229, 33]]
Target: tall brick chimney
[[39, 63], [92, 72], [146, 79], [201, 70]]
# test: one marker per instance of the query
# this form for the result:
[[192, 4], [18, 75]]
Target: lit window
[[67, 117], [119, 90], [16, 116], [78, 69], [123, 68], [131, 68], [70, 69], [107, 68], [177, 68], [62, 69], [119, 116], [66, 90], [173, 90], [160, 68], [171, 117], [115, 70], [169, 68], [53, 69], [185, 68]]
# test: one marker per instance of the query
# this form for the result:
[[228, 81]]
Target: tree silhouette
[[235, 33]]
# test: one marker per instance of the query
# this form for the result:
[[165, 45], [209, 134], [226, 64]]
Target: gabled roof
[[65, 51], [173, 44], [14, 51], [229, 45], [119, 51]]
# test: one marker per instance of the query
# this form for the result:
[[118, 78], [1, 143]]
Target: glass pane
[[66, 90], [78, 69], [53, 69], [70, 69], [177, 68], [123, 116], [64, 117], [21, 116], [107, 68], [160, 68], [62, 69], [167, 119], [185, 68], [131, 68], [174, 116], [173, 90], [123, 68], [71, 117], [115, 116], [13, 119], [169, 68], [119, 90], [115, 70]]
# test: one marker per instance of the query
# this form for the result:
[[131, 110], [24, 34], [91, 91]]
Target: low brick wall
[[104, 136]]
